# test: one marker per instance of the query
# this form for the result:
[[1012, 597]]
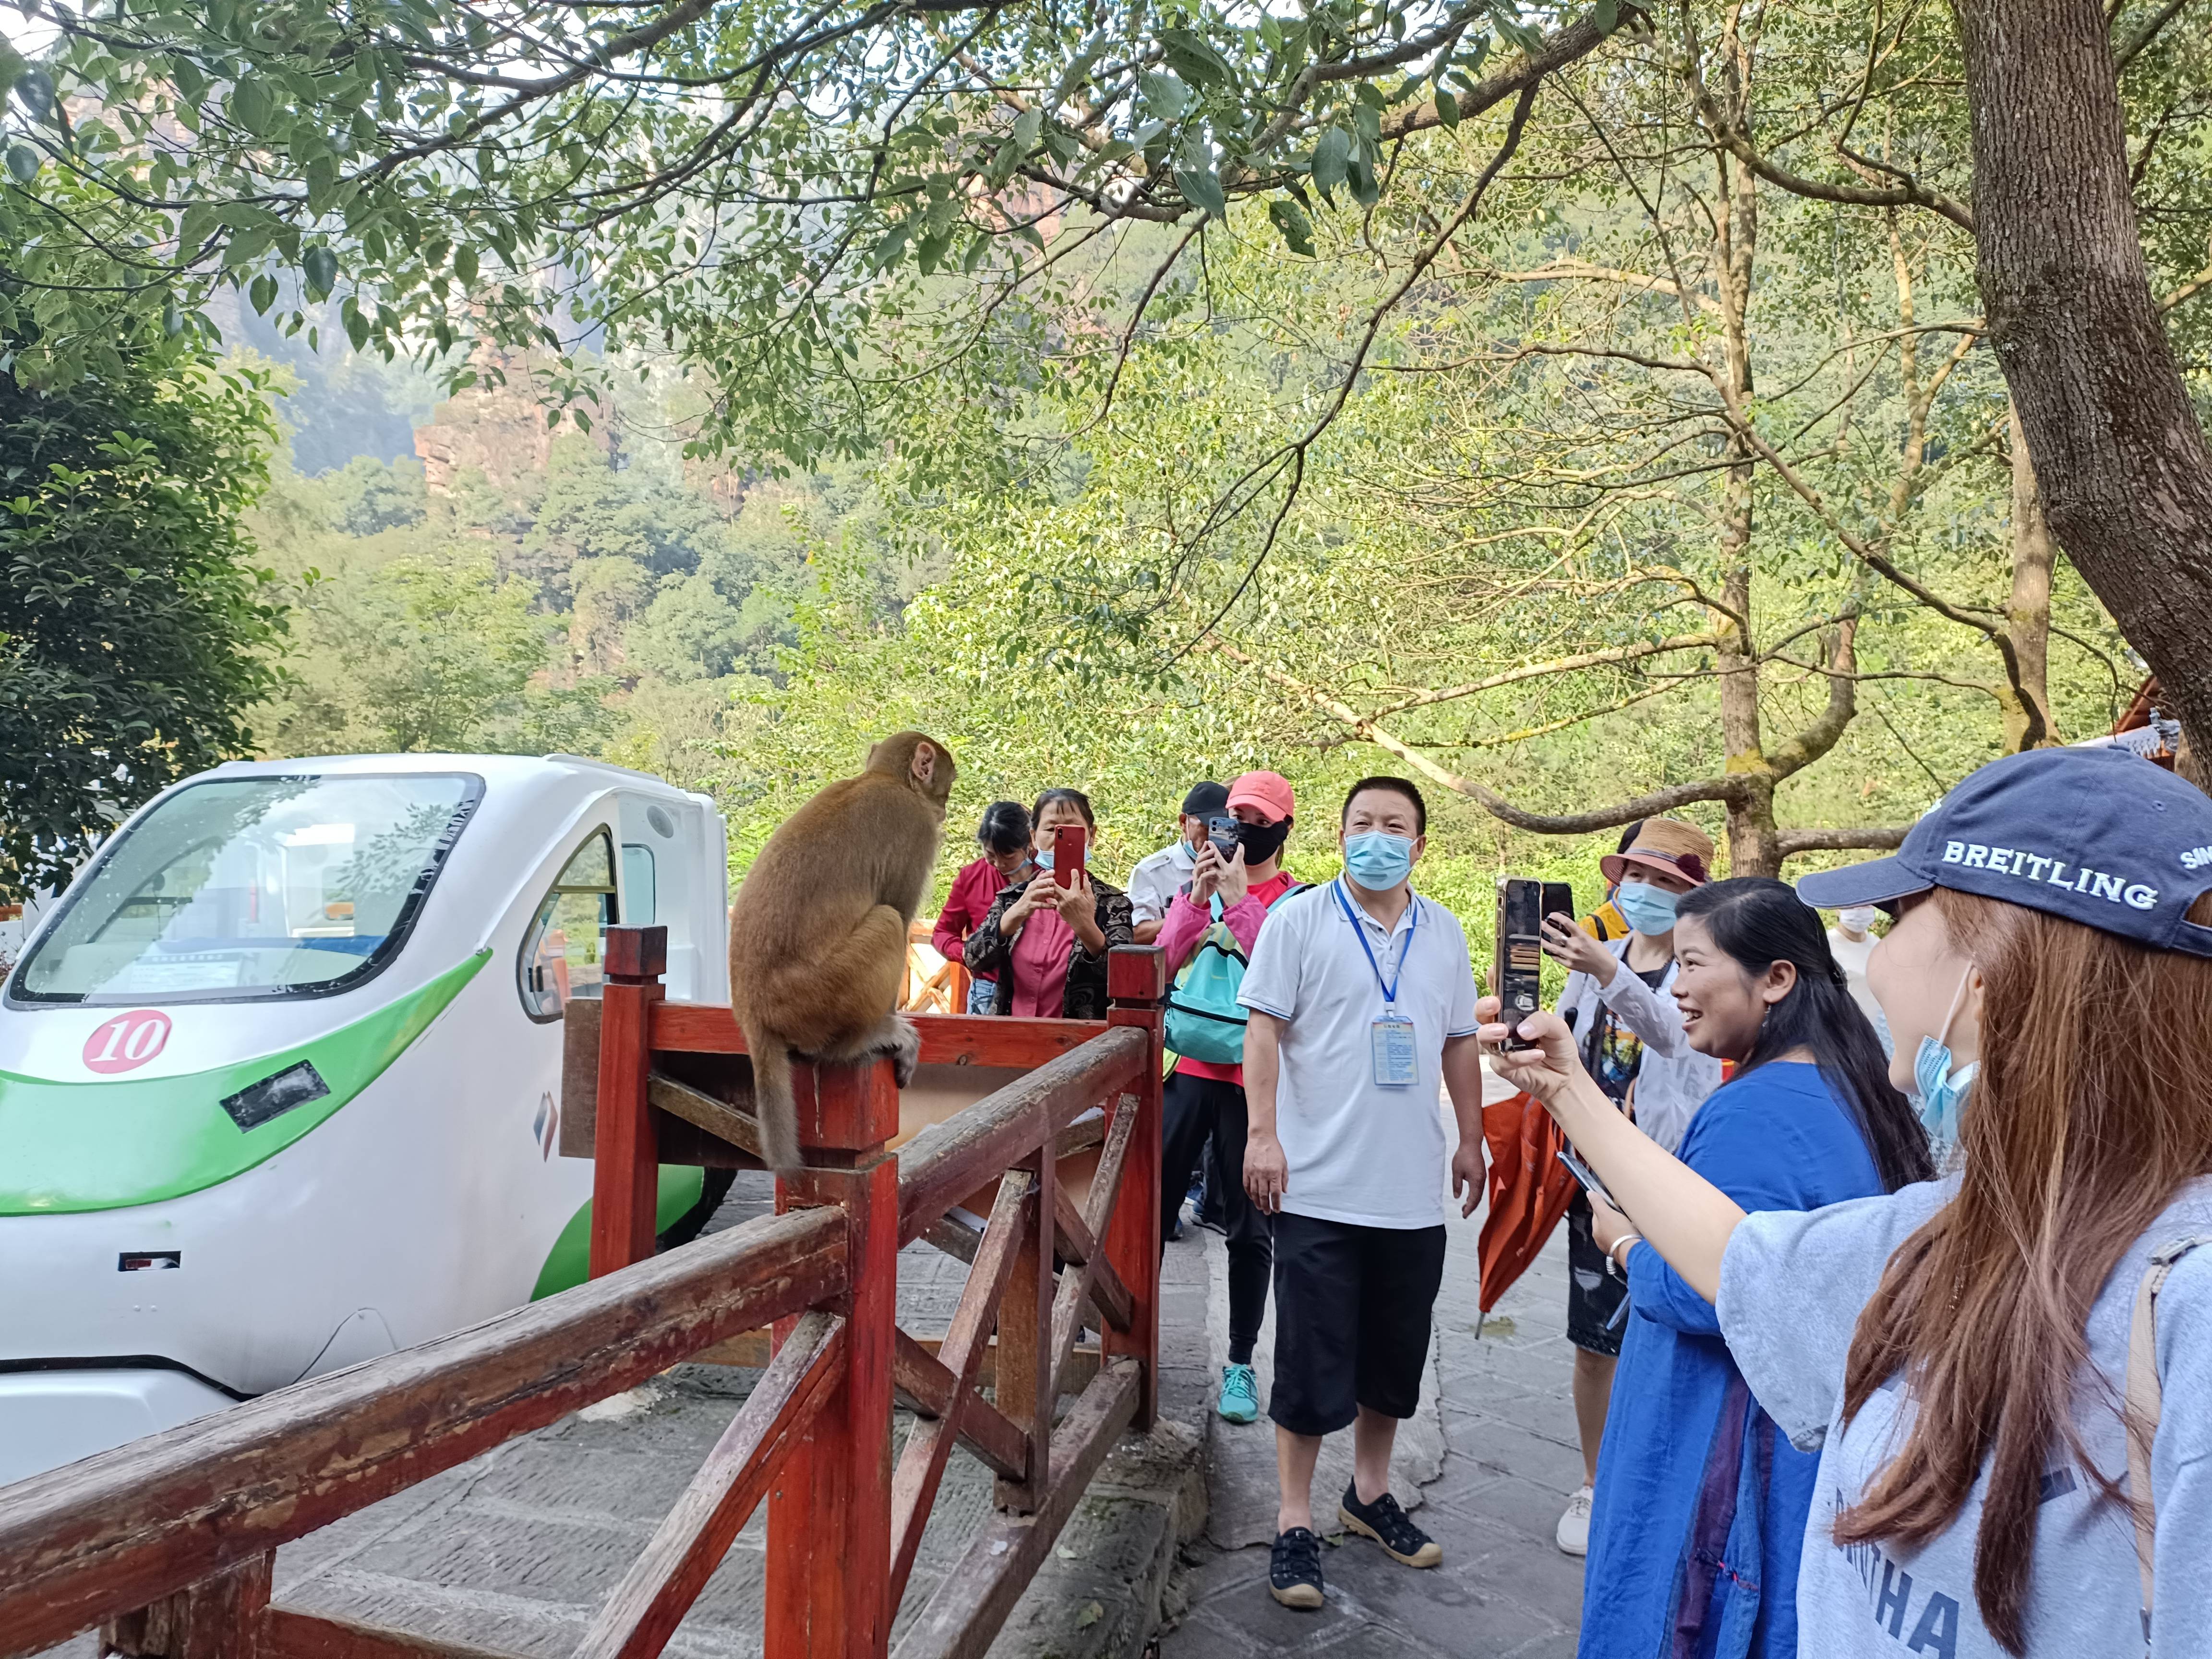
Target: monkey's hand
[[904, 1051]]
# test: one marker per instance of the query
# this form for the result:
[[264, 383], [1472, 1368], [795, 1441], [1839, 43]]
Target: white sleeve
[[1792, 1284], [1654, 1016], [1460, 1021]]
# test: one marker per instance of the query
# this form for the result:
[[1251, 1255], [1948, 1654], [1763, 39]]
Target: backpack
[[1205, 1020], [2144, 1398]]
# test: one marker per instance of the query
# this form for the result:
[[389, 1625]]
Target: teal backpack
[[1205, 1020]]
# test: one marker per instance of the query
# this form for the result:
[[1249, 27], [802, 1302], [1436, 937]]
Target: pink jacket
[[1185, 924]]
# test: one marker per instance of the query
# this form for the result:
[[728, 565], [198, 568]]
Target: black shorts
[[1351, 1320], [1595, 1291]]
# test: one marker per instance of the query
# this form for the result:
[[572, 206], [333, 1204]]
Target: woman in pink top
[[1046, 944], [1204, 1101]]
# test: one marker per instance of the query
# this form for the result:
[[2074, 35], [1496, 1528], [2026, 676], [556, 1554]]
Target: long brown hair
[[2088, 1114]]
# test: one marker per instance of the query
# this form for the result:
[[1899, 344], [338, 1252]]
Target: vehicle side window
[[638, 879], [562, 952]]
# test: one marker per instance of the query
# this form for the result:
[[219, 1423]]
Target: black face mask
[[1261, 841]]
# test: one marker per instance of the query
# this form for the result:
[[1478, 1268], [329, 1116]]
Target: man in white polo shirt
[[1362, 1000]]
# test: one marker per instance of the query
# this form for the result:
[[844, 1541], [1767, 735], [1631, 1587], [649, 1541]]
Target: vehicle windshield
[[240, 888]]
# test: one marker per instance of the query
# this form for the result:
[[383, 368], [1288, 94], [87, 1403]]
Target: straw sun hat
[[1666, 844]]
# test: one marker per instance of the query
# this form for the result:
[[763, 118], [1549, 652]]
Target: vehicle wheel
[[714, 1188]]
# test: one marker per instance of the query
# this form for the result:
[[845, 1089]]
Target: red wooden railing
[[167, 1544]]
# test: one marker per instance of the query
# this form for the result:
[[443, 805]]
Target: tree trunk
[[2027, 613], [2125, 470]]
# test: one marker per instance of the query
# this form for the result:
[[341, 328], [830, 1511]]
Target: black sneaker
[[1294, 1568], [1390, 1526]]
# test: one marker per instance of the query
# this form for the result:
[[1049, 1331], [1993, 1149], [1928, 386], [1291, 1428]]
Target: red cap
[[1268, 791]]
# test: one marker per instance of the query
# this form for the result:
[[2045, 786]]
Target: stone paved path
[[1510, 1460]]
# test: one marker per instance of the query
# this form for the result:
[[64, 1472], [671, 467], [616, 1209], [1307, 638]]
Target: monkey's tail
[[775, 1107]]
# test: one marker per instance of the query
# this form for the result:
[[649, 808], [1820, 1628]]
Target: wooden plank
[[642, 1611], [1133, 1233], [1077, 1245], [956, 1237], [287, 1633], [1096, 1281], [123, 1528], [626, 1167], [971, 1604], [940, 1169], [924, 1379], [579, 1076], [1025, 1352], [217, 1618], [706, 1028], [929, 1442], [725, 1123], [753, 1349]]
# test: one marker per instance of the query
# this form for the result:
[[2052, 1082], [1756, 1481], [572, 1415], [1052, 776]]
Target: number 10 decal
[[126, 1041]]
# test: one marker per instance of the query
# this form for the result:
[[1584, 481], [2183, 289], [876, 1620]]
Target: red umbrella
[[1529, 1189]]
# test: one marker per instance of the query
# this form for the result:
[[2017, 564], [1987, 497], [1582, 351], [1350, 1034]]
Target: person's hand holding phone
[[1231, 883], [1205, 873], [1072, 901], [1548, 1070], [1564, 942], [1608, 1225]]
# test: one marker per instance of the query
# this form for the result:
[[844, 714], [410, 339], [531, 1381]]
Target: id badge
[[1395, 1066]]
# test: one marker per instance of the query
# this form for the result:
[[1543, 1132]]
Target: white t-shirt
[[1358, 1151]]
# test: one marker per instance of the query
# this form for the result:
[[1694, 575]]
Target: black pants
[[1352, 1305], [1198, 1111]]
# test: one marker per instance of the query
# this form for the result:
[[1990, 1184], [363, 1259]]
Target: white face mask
[[1857, 919]]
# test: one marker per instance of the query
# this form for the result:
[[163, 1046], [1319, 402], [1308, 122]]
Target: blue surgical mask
[[1941, 1090], [1648, 910], [1378, 861], [1044, 859]]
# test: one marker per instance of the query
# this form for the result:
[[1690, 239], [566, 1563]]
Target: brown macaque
[[817, 934]]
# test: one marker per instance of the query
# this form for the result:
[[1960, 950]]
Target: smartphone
[[1067, 843], [1583, 1173], [1519, 951], [1558, 900], [1221, 830]]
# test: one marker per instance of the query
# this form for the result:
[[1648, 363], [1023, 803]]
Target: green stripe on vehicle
[[568, 1263], [104, 1145]]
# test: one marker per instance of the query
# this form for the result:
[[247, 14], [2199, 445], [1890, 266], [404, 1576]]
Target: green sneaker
[[1239, 1395]]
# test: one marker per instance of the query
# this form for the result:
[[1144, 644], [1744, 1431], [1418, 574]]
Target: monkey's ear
[[925, 763]]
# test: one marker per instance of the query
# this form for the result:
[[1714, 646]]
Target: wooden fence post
[[626, 1158], [218, 1618], [830, 1510], [1137, 986]]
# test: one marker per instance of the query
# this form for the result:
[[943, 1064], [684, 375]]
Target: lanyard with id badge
[[1391, 1034]]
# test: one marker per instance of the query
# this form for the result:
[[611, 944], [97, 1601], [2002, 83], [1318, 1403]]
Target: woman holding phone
[[2006, 1374], [1045, 940], [1699, 1509]]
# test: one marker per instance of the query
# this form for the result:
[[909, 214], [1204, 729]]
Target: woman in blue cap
[[2007, 1372]]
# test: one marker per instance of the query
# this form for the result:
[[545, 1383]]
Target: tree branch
[[1793, 841]]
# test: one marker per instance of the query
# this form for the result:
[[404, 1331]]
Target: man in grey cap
[[1160, 876]]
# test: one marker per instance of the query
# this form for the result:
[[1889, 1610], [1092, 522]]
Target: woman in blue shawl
[[1700, 1510]]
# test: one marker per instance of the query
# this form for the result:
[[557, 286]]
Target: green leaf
[[1447, 108], [1192, 56], [320, 267], [36, 87], [263, 294], [1365, 190], [253, 104], [1289, 219], [12, 64], [1165, 96], [1200, 186], [1330, 156], [23, 163], [172, 318], [465, 264], [1606, 14], [356, 325], [1027, 126]]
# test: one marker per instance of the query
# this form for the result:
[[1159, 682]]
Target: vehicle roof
[[493, 769]]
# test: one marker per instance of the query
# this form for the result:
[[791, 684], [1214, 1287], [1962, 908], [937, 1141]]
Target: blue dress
[[1699, 1515]]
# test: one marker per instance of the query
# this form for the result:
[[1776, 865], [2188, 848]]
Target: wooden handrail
[[170, 1541], [127, 1526]]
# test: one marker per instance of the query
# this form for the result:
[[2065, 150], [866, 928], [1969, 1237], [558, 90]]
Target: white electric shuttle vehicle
[[280, 1074]]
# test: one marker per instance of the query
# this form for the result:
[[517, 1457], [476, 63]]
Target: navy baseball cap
[[2099, 836]]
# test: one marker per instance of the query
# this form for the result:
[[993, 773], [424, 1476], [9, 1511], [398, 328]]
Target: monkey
[[818, 932]]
